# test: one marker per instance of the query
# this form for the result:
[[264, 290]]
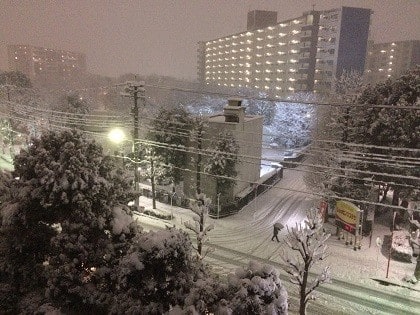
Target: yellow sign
[[347, 212]]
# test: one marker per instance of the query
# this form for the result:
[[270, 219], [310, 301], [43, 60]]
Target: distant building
[[260, 19], [388, 60], [44, 65], [300, 54], [247, 131]]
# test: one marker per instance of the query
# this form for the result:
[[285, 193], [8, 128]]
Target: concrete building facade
[[247, 130], [390, 60], [44, 64], [299, 54]]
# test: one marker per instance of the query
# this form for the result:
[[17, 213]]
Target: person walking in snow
[[275, 233]]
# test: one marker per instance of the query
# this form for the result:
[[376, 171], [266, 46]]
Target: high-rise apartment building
[[45, 64], [387, 60], [299, 54]]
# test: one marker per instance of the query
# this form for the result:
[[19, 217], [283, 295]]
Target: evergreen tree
[[257, 289], [170, 129], [65, 224], [222, 162], [390, 132]]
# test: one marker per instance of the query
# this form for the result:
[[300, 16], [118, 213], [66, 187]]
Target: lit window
[[292, 79], [260, 31], [270, 36], [383, 51], [266, 87]]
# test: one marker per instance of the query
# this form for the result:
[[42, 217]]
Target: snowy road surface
[[247, 236]]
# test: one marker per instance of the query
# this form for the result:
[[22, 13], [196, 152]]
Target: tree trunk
[[200, 242], [152, 179], [395, 197], [385, 194], [302, 307], [198, 165]]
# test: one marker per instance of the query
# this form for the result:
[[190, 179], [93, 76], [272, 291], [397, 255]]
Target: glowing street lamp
[[116, 135]]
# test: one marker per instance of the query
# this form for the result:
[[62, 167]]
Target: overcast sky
[[160, 36]]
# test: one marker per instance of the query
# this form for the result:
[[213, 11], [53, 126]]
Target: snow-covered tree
[[171, 130], [330, 131], [153, 168], [308, 241], [347, 86], [292, 122], [256, 289], [201, 208], [66, 223], [222, 162], [15, 78], [156, 273], [196, 141], [261, 107], [390, 129]]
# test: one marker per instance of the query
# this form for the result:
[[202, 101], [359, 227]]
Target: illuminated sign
[[347, 216]]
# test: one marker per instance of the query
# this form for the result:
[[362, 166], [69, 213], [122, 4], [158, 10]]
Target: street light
[[117, 136]]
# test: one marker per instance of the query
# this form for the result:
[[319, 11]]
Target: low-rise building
[[247, 131]]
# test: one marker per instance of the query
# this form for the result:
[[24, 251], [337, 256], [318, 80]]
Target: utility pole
[[135, 89]]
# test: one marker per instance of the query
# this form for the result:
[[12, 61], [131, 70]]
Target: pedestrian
[[275, 233]]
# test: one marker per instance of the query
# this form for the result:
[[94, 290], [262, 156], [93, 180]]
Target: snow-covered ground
[[241, 237]]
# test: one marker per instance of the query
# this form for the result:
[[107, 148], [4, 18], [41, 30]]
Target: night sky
[[160, 37]]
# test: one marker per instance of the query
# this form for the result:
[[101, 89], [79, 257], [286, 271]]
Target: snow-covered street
[[247, 235]]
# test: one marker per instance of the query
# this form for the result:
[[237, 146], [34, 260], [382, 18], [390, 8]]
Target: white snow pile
[[401, 249]]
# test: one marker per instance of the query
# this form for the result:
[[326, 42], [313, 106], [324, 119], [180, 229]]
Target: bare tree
[[308, 240], [201, 208]]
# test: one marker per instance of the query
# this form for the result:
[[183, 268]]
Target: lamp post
[[117, 136]]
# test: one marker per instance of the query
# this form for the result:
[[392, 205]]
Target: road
[[247, 236]]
